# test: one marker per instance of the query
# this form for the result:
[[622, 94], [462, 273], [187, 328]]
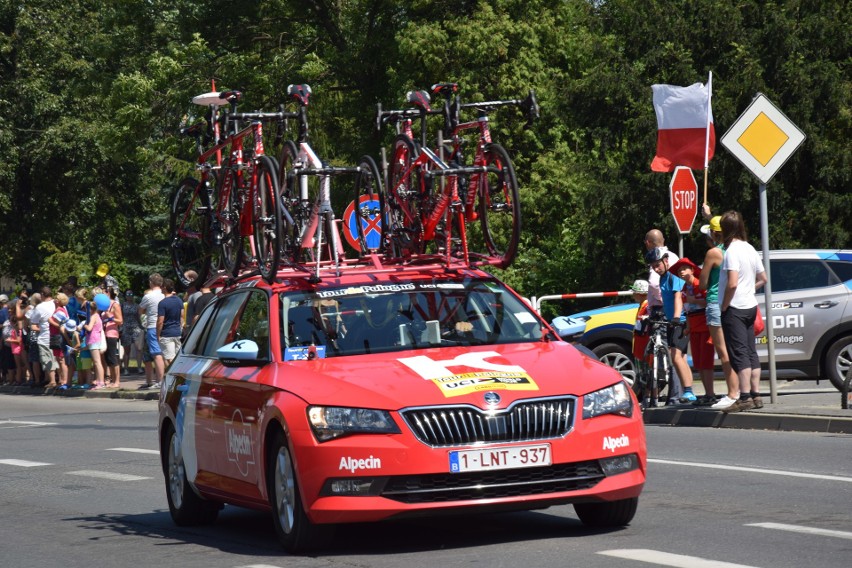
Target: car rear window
[[402, 316]]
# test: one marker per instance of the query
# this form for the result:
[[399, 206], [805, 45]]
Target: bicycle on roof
[[234, 216], [418, 214], [306, 193]]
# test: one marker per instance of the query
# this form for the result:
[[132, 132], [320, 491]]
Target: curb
[[748, 420], [80, 393]]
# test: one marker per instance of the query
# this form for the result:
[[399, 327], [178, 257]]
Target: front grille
[[540, 419], [443, 487]]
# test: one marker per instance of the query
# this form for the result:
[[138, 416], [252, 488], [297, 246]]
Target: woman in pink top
[[112, 319], [16, 344], [97, 344]]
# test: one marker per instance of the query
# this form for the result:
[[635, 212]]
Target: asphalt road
[[81, 485]]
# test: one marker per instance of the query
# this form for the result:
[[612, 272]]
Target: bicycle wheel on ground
[[268, 225], [402, 199], [188, 227], [369, 206], [662, 370], [499, 206]]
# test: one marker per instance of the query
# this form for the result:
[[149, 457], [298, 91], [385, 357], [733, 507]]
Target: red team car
[[379, 393]]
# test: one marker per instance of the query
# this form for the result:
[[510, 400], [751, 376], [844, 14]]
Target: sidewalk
[[802, 406], [130, 383]]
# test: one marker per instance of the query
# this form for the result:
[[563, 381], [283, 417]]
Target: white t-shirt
[[149, 303], [655, 298], [40, 317], [742, 257]]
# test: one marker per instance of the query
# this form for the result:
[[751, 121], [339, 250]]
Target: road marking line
[[754, 470], [805, 530], [23, 463], [668, 559], [107, 475], [24, 424], [134, 450]]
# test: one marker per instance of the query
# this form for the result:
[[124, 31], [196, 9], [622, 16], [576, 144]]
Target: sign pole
[[770, 331]]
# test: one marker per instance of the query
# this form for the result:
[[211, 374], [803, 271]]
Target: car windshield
[[400, 316]]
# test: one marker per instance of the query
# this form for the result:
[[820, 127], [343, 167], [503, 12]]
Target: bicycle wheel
[[369, 205], [188, 227], [402, 198], [662, 370], [499, 206], [267, 219], [289, 201], [227, 221]]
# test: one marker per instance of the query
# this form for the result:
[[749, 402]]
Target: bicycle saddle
[[419, 99], [446, 89], [231, 96], [300, 92]]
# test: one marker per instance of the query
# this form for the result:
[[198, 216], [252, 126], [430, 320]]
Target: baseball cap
[[696, 271], [716, 224], [4, 298], [640, 287], [71, 325], [60, 317]]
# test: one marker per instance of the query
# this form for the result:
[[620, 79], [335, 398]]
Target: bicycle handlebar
[[529, 106]]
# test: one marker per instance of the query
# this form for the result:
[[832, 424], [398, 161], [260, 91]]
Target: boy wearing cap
[[695, 302], [670, 291]]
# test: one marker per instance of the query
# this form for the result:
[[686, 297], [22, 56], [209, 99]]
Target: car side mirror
[[240, 353]]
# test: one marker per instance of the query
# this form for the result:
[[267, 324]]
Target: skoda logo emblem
[[492, 398]]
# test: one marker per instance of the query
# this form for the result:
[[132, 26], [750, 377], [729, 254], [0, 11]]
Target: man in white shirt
[[40, 324], [148, 308]]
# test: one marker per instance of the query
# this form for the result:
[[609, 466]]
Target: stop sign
[[683, 192]]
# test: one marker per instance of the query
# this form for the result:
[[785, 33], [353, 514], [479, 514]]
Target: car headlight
[[611, 400], [330, 422]]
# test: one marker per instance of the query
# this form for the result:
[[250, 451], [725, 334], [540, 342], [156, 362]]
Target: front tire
[[189, 230], [607, 514], [618, 358], [368, 184], [185, 507], [295, 531], [268, 225], [838, 361]]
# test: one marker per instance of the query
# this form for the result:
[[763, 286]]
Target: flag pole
[[707, 133]]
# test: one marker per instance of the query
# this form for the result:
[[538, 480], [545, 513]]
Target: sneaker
[[705, 400], [155, 386], [758, 402], [739, 406], [724, 403], [145, 386], [687, 397]]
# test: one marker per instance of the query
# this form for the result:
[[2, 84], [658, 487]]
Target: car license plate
[[500, 458]]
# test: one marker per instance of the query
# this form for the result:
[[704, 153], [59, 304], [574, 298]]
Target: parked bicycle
[[241, 211], [654, 374], [306, 193]]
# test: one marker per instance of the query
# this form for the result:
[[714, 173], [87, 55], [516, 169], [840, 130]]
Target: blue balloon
[[102, 301]]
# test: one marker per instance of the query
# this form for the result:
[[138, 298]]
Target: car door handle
[[824, 305], [217, 392]]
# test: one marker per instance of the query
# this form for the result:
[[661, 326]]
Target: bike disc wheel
[[499, 206], [188, 227], [369, 206], [267, 219]]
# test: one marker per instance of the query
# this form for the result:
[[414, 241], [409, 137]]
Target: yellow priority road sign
[[762, 138]]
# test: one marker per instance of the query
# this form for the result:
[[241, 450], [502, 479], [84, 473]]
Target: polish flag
[[685, 134]]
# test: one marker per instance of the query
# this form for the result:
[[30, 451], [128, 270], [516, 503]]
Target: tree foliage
[[92, 95]]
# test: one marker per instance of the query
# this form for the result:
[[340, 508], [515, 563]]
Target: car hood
[[446, 375]]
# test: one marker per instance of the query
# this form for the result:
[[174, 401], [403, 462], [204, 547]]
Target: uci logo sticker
[[239, 443], [480, 375], [612, 444]]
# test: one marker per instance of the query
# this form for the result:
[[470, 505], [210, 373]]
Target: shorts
[[131, 336], [46, 358], [738, 327], [678, 339], [99, 346], [170, 347], [112, 358], [152, 342], [703, 352], [84, 363], [713, 313]]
